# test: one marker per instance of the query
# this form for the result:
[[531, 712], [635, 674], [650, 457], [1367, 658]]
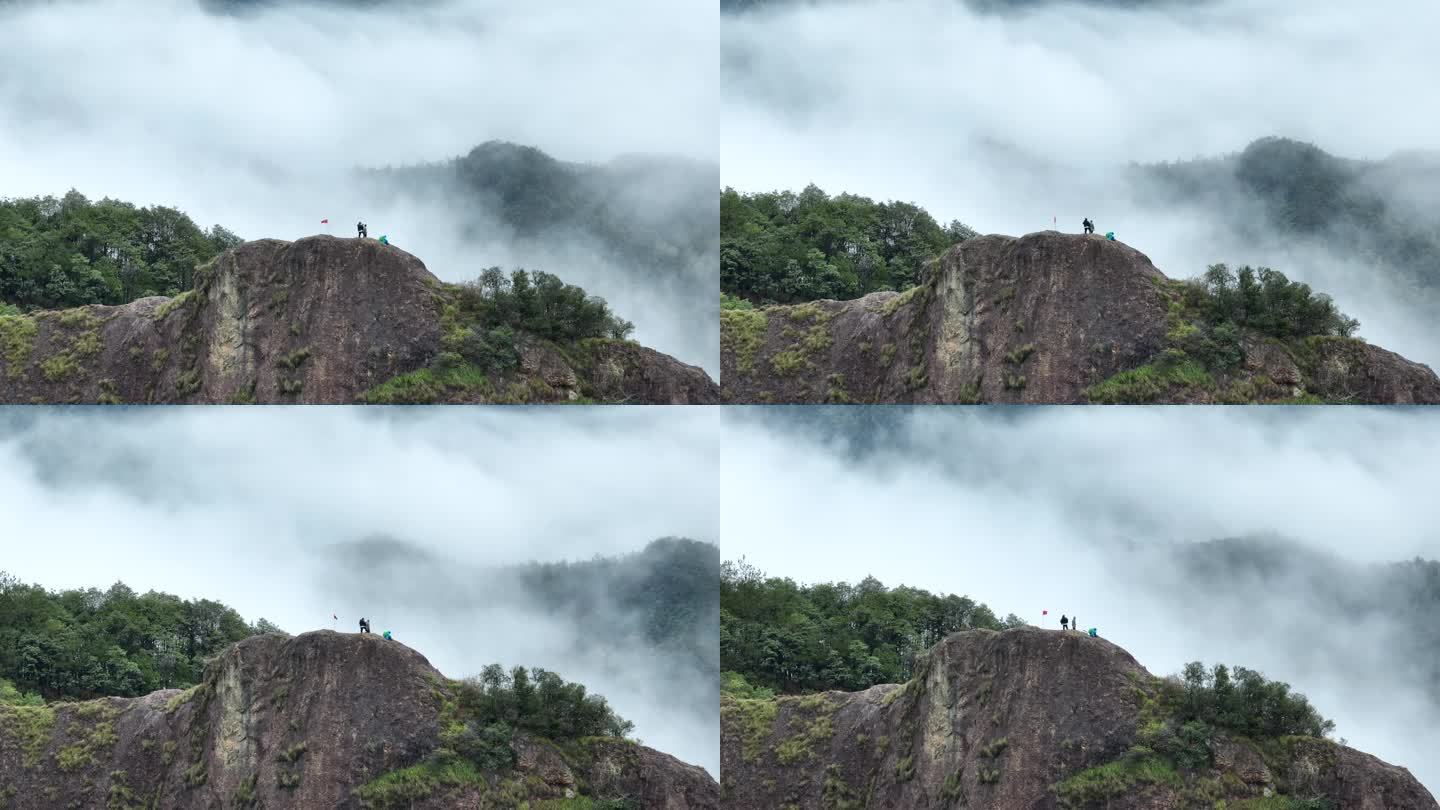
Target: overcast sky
[[1007, 121], [244, 506], [1027, 511], [254, 121]]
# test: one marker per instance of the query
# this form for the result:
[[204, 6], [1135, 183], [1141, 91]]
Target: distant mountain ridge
[[657, 212], [1377, 212]]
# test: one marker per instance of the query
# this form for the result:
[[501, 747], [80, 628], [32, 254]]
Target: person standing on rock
[[1064, 622], [364, 625], [1089, 226], [361, 230]]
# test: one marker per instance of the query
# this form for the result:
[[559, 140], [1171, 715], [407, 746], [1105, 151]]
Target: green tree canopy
[[67, 252], [783, 247], [780, 635], [541, 304], [1217, 309], [1268, 302], [1244, 702], [90, 643], [539, 701]]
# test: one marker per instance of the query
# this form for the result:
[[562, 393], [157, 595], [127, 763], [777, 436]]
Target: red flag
[[1044, 613], [333, 616], [324, 222]]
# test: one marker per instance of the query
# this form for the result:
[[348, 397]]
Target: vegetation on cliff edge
[[79, 644], [785, 248], [778, 635], [479, 720], [1211, 320], [68, 252]]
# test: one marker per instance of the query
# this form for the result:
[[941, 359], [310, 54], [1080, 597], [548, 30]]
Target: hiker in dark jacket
[[1064, 622]]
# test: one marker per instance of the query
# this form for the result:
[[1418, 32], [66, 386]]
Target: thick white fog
[[253, 507], [256, 121], [1024, 122], [1072, 510]]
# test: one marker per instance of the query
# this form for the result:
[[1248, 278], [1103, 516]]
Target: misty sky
[[246, 506], [255, 121], [1007, 121], [1033, 510]]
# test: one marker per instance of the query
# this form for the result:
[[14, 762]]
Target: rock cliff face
[[1044, 318], [320, 320], [303, 722], [1002, 721]]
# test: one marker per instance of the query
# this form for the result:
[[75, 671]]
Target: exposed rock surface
[[997, 720], [319, 320], [1036, 319], [300, 722]]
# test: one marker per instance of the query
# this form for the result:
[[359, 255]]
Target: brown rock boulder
[[319, 320], [999, 720], [295, 722], [1350, 371], [654, 779], [624, 373], [1036, 319]]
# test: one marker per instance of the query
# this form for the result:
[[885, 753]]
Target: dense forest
[[66, 252], [477, 726], [1379, 212], [1211, 320], [1267, 302], [778, 635], [1181, 725], [785, 248], [80, 644], [481, 322], [541, 304], [1243, 701]]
